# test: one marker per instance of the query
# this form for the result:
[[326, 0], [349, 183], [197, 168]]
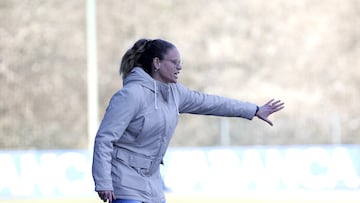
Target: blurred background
[[304, 52]]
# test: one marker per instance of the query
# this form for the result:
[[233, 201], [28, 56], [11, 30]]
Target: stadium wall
[[223, 170]]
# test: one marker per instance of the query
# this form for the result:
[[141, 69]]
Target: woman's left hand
[[269, 108]]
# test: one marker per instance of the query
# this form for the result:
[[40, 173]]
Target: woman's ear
[[156, 63]]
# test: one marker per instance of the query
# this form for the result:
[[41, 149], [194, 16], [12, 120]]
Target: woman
[[141, 118]]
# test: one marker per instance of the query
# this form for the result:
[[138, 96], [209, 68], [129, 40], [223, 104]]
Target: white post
[[336, 130], [225, 131], [92, 80]]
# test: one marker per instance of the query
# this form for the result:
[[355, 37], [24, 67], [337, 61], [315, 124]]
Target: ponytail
[[142, 54], [131, 57]]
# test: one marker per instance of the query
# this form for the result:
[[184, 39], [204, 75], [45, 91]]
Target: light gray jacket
[[137, 127]]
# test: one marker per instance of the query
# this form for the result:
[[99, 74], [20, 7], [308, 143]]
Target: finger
[[274, 111], [278, 103], [277, 109], [105, 196], [113, 195], [275, 103], [101, 195], [269, 102], [266, 120], [111, 198], [269, 122]]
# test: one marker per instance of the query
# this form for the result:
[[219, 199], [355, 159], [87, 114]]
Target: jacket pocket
[[132, 159], [126, 175]]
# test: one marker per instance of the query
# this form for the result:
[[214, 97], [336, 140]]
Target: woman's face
[[169, 67]]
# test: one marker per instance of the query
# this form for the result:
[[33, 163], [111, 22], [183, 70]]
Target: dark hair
[[142, 54]]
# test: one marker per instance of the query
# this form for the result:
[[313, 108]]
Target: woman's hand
[[269, 108], [106, 195]]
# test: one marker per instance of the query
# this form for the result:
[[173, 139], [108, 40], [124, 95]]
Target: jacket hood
[[139, 76]]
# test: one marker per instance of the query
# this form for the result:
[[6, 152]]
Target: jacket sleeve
[[120, 111], [195, 102]]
